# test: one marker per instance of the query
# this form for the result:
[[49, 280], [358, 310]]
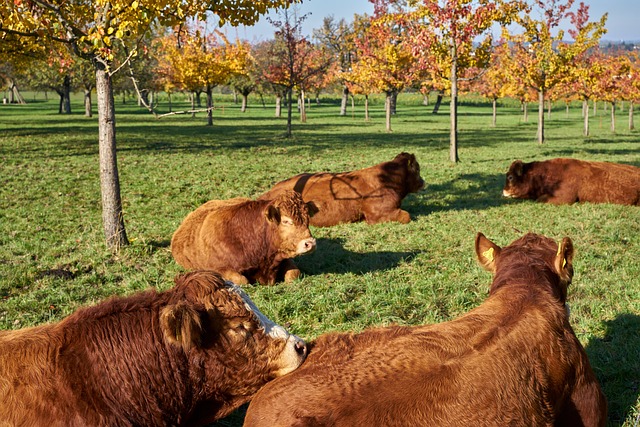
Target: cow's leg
[[289, 270], [398, 215], [234, 276]]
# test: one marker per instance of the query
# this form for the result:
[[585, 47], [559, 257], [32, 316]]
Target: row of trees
[[441, 45]]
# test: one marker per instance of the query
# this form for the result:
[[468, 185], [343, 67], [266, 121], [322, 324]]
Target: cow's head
[[530, 255], [290, 214], [413, 180], [517, 185], [235, 348]]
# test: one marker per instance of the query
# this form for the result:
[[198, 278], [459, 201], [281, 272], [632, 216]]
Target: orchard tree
[[338, 38], [492, 82], [450, 36], [385, 61], [542, 57], [294, 59], [97, 30]]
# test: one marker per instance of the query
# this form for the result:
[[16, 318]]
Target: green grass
[[53, 257]]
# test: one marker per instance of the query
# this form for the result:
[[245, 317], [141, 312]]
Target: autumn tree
[[95, 30], [543, 58], [295, 60], [449, 36], [339, 39], [493, 81], [384, 61]]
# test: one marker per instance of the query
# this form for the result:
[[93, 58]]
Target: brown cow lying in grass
[[186, 356], [373, 194], [514, 360], [245, 240], [562, 181]]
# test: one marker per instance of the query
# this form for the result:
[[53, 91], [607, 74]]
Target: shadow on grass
[[467, 191], [616, 362], [331, 257]]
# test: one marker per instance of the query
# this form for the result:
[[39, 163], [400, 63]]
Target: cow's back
[[610, 183], [191, 243], [455, 373]]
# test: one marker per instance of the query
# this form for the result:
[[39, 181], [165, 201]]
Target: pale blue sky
[[623, 22]]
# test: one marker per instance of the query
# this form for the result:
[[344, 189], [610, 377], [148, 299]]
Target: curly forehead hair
[[290, 204]]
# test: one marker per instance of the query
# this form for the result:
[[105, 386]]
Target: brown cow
[[245, 240], [373, 194], [514, 360], [562, 181], [186, 356]]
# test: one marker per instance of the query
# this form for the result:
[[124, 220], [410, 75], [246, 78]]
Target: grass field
[[53, 258]]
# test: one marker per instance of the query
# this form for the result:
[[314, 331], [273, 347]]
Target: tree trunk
[[436, 107], [631, 125], [345, 99], [541, 116], [453, 114], [303, 108], [494, 107], [66, 96], [595, 108], [88, 105], [112, 215], [613, 116], [169, 101], [245, 99], [278, 106], [394, 101], [425, 99], [525, 111], [585, 108], [566, 111], [209, 92], [289, 111], [387, 109], [193, 105], [366, 108]]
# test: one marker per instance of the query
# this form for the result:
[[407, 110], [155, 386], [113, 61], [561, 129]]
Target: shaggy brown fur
[[246, 241], [373, 194], [562, 181], [186, 356], [514, 360]]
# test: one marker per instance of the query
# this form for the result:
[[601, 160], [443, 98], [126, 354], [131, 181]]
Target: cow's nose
[[301, 348], [310, 244]]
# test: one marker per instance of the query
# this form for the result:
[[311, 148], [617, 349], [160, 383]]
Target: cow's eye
[[509, 177], [287, 221]]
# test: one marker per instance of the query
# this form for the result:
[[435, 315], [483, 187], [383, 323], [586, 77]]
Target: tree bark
[[209, 92], [436, 107], [65, 96], [245, 99], [88, 105], [585, 109], [613, 116], [303, 108], [289, 111], [345, 99], [112, 215], [387, 109], [495, 111], [366, 108], [525, 111], [631, 125], [541, 116]]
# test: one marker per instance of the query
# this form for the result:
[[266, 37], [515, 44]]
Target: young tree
[[96, 30], [444, 35], [542, 56]]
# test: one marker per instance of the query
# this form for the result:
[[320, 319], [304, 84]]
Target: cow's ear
[[487, 252], [181, 324], [563, 262], [312, 208], [273, 214], [518, 168]]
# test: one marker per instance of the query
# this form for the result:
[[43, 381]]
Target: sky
[[622, 22]]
